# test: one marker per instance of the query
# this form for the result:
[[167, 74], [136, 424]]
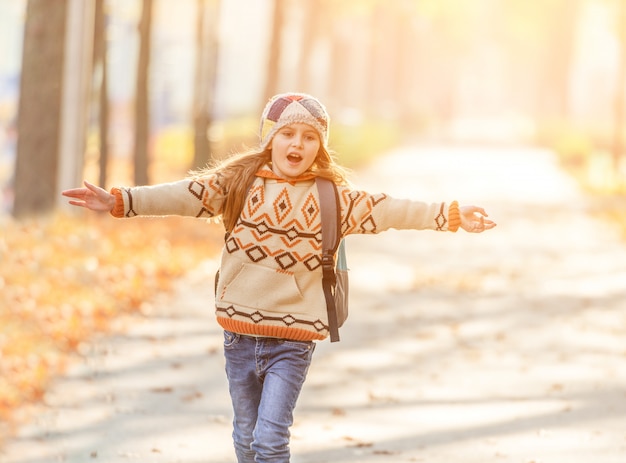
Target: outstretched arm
[[91, 197], [473, 219]]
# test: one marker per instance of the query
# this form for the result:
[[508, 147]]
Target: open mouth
[[294, 158]]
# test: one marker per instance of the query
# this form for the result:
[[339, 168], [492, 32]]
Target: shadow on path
[[501, 347]]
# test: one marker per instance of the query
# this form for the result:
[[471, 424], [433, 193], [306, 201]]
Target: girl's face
[[294, 148]]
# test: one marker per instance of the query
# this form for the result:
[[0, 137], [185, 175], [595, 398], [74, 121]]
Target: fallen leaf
[[161, 390]]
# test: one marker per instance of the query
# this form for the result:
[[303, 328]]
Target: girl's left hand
[[473, 219]]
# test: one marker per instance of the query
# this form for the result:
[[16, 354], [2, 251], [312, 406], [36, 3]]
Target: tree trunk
[[100, 60], [311, 29], [77, 71], [205, 78], [39, 116], [340, 64], [273, 65], [618, 128], [142, 110]]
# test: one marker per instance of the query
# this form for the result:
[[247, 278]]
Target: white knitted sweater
[[270, 275]]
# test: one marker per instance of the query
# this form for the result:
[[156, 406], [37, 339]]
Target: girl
[[269, 297]]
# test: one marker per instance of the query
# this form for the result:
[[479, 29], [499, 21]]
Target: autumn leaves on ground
[[65, 278]]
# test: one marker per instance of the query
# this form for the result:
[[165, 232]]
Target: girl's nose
[[297, 141]]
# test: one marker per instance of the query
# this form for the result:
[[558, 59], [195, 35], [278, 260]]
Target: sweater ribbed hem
[[118, 210], [454, 217], [294, 334]]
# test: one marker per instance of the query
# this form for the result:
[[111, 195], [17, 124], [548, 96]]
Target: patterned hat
[[292, 108]]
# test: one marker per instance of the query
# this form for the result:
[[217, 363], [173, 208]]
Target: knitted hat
[[292, 108]]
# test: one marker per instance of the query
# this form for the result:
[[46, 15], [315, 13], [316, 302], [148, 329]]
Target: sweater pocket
[[259, 287]]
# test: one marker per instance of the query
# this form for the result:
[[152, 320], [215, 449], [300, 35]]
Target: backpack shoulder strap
[[331, 234], [331, 215]]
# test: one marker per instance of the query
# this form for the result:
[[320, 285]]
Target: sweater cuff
[[454, 217], [118, 210]]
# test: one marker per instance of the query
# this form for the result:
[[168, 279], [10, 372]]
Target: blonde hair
[[237, 173]]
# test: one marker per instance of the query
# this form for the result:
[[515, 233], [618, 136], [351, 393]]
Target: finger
[[72, 191], [75, 193], [98, 192], [485, 225], [91, 187], [472, 210], [78, 203], [481, 211]]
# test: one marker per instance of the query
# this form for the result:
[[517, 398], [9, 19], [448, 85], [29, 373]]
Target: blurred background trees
[[134, 91], [142, 108], [139, 91], [207, 21], [40, 101]]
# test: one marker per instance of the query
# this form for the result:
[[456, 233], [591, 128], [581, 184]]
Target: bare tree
[[205, 78], [100, 62], [39, 118], [618, 130], [273, 65], [340, 56], [53, 102], [311, 31], [142, 108]]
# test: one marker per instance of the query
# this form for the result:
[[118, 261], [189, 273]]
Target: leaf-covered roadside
[[64, 279]]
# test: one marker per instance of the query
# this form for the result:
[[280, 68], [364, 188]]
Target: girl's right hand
[[92, 197]]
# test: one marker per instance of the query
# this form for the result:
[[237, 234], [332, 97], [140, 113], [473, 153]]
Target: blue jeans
[[265, 376]]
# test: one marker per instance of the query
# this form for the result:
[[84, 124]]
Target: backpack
[[334, 264], [334, 272]]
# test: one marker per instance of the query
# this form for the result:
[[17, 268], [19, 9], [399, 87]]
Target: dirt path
[[503, 347]]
